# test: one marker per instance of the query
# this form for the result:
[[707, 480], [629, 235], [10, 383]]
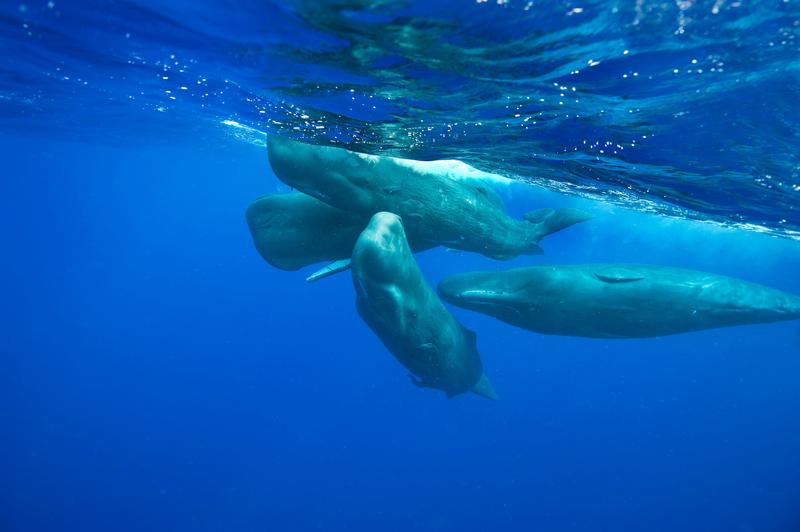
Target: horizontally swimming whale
[[617, 300], [294, 230], [394, 300], [460, 213]]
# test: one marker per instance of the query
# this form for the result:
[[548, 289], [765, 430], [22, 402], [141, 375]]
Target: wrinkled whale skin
[[405, 313], [461, 214], [617, 300]]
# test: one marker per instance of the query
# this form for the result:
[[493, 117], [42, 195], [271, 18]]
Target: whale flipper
[[332, 268], [416, 381], [553, 220]]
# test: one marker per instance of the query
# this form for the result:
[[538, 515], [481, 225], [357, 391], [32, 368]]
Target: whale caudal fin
[[553, 220], [484, 388]]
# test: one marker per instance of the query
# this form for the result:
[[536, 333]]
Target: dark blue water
[[158, 375]]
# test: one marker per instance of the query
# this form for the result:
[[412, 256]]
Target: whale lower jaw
[[482, 293], [475, 297]]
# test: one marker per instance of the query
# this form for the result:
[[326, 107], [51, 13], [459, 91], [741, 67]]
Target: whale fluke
[[484, 388], [553, 220]]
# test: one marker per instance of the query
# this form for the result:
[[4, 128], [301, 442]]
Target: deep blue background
[[158, 375]]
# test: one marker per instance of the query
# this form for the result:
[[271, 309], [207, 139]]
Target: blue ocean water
[[157, 374]]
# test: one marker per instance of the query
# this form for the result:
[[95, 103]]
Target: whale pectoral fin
[[332, 268], [484, 388], [621, 275], [416, 381]]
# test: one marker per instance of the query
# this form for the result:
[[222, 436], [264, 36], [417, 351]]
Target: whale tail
[[484, 388], [549, 221]]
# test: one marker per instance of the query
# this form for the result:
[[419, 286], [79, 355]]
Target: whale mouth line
[[477, 296], [481, 293]]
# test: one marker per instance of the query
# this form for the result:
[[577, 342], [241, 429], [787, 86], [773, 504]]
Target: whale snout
[[450, 290], [381, 249], [295, 163], [385, 230], [385, 221], [259, 214]]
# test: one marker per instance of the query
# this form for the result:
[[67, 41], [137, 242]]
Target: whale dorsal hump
[[618, 275]]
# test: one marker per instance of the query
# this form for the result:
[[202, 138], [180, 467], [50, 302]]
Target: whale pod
[[461, 213], [617, 300], [394, 300]]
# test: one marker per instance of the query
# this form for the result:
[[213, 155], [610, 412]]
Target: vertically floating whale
[[462, 214], [394, 300], [617, 300]]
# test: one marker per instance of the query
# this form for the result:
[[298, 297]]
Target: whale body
[[463, 214], [291, 231], [617, 300], [404, 312]]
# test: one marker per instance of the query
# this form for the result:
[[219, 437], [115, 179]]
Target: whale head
[[333, 175], [381, 249], [488, 292], [470, 289]]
